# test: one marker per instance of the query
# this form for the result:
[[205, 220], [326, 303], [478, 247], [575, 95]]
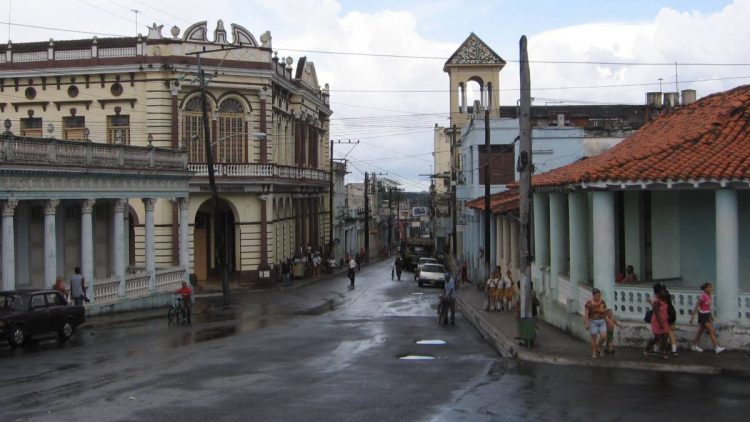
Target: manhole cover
[[416, 357], [431, 342]]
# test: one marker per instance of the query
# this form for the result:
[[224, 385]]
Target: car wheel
[[66, 331], [17, 336]]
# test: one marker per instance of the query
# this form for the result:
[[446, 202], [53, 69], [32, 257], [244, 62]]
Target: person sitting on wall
[[629, 276]]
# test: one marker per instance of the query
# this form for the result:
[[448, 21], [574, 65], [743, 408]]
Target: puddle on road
[[431, 342], [416, 357], [417, 293]]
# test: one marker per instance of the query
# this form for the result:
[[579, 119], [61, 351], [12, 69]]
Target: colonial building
[[139, 98]]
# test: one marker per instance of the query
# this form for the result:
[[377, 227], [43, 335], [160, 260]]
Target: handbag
[[649, 315]]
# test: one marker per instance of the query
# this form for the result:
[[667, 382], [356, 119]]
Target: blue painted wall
[[697, 237], [744, 204]]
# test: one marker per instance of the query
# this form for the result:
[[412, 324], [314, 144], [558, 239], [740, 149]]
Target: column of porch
[[148, 205], [9, 253], [603, 204], [118, 238], [727, 254], [541, 235], [514, 249], [557, 223], [506, 245], [87, 246], [184, 244], [579, 245], [50, 243]]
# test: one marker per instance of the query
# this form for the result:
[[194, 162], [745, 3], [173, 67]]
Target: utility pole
[[367, 219], [398, 215], [219, 243], [487, 180], [330, 199], [454, 212], [525, 168], [136, 19], [390, 217]]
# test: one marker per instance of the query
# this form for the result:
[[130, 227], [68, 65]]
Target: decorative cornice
[[148, 204], [119, 205], [87, 205], [50, 207], [9, 207]]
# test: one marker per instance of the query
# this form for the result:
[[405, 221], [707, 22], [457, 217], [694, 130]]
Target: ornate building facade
[[135, 98]]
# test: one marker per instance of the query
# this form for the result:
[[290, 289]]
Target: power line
[[105, 11], [23, 25], [162, 11]]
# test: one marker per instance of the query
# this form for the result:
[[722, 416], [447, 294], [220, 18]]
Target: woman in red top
[[659, 324], [705, 319]]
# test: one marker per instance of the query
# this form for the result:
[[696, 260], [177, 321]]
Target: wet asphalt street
[[325, 352]]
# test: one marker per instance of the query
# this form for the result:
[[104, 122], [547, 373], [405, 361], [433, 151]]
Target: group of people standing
[[78, 288], [501, 293], [662, 316]]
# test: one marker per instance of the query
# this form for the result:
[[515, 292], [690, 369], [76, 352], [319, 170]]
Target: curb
[[508, 348]]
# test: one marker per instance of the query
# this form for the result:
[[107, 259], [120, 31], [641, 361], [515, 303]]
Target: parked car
[[25, 313], [432, 274], [421, 263]]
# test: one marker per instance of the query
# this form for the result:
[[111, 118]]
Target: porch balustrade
[[136, 285], [260, 170], [64, 152]]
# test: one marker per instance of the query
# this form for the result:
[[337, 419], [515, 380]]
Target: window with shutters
[[31, 127], [501, 164], [73, 127], [118, 129], [192, 128], [230, 144]]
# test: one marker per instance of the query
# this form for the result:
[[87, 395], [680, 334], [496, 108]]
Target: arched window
[[192, 128], [231, 141]]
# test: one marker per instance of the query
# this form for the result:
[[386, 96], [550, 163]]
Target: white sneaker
[[695, 348], [719, 349]]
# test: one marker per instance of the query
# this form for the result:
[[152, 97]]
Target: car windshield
[[427, 260], [8, 301], [433, 268]]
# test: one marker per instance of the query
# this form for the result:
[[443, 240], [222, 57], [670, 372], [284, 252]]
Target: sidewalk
[[554, 346]]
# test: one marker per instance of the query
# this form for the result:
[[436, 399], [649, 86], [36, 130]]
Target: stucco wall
[[665, 234]]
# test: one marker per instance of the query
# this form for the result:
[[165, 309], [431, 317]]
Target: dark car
[[25, 313]]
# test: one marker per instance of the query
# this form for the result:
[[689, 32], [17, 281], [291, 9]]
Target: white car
[[421, 263], [432, 274]]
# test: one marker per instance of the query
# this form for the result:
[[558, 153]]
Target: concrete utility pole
[[454, 209], [367, 219], [390, 217], [525, 168], [487, 181]]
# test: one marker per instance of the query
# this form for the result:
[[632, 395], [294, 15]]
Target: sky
[[391, 105]]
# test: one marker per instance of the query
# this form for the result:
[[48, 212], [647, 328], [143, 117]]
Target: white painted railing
[[632, 302], [137, 285], [117, 52], [73, 54], [169, 280], [56, 151], [33, 56], [106, 291], [743, 309], [259, 170]]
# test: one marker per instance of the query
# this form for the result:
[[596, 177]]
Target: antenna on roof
[[136, 11], [676, 84], [10, 4]]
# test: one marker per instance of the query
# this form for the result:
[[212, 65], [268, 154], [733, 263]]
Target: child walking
[[611, 323], [490, 289], [705, 319]]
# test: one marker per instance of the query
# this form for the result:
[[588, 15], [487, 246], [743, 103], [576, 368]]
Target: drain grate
[[431, 342]]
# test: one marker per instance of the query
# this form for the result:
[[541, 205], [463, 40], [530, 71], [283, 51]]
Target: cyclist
[[186, 293]]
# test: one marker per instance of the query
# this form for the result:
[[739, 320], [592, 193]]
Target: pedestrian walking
[[464, 275], [286, 272], [78, 287], [611, 324], [510, 294], [705, 319], [60, 286], [671, 315], [659, 324], [399, 267], [449, 295], [350, 273], [316, 265], [490, 291], [594, 322]]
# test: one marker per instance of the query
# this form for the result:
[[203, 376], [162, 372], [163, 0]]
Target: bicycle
[[177, 313]]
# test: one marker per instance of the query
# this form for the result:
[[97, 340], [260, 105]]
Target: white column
[[87, 246], [499, 237], [727, 254], [604, 244], [541, 235], [557, 222], [493, 241], [148, 205], [118, 240], [184, 258], [50, 243], [579, 243], [9, 253]]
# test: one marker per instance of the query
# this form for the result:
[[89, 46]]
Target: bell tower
[[474, 73]]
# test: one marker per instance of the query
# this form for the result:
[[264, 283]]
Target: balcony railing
[[63, 152], [136, 285], [261, 170]]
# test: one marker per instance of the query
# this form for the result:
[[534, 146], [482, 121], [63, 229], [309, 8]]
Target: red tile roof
[[506, 201], [709, 139]]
